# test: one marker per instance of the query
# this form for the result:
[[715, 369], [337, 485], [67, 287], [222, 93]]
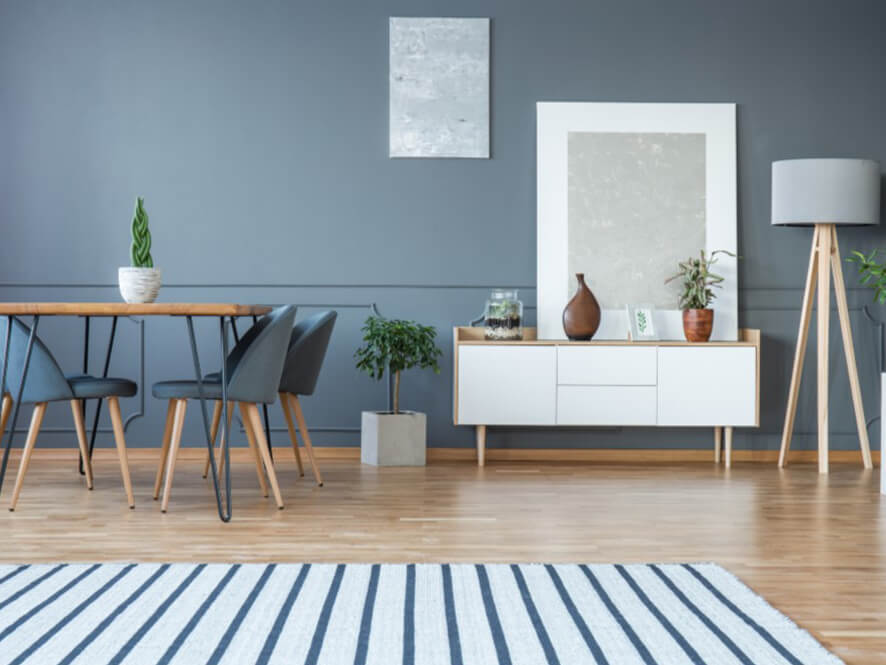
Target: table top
[[126, 309]]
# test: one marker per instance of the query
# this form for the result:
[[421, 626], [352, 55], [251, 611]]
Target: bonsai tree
[[698, 280], [395, 345], [872, 273], [140, 252]]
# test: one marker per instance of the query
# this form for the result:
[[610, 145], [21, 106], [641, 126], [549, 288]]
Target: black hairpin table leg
[[98, 406], [224, 512], [21, 386]]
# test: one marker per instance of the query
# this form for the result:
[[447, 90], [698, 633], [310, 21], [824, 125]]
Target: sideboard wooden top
[[126, 309], [475, 336]]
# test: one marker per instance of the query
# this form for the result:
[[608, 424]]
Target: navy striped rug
[[140, 614]]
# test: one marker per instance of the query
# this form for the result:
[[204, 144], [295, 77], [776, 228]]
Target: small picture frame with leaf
[[641, 323]]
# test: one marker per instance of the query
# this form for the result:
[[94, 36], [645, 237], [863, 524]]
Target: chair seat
[[90, 387], [186, 390]]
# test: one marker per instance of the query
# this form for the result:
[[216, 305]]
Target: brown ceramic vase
[[581, 318], [697, 324]]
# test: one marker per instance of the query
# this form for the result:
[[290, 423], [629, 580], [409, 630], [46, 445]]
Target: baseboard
[[610, 455]]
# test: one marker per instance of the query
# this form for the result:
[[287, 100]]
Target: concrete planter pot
[[139, 285], [388, 439]]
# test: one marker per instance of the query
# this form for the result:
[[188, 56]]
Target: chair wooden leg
[[36, 420], [4, 413], [213, 432], [284, 404], [80, 427], [120, 440], [305, 435], [164, 450], [181, 407], [262, 444], [250, 437], [718, 440]]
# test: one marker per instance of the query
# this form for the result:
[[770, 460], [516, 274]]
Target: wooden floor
[[814, 546]]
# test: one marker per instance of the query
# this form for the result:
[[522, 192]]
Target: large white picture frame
[[717, 203]]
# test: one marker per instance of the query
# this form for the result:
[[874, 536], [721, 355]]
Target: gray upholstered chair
[[253, 370], [304, 360], [46, 383]]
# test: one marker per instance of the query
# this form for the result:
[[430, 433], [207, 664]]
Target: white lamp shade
[[825, 191]]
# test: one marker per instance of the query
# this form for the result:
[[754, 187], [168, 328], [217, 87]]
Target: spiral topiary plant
[[140, 252]]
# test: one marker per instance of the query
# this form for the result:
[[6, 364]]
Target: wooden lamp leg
[[849, 349], [728, 447], [718, 438], [800, 353], [824, 315]]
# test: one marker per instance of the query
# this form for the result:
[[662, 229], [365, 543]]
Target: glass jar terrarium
[[503, 316]]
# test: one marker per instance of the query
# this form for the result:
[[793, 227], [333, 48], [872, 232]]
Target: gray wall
[[258, 134]]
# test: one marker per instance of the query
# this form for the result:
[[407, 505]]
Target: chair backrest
[[256, 363], [307, 349], [45, 382]]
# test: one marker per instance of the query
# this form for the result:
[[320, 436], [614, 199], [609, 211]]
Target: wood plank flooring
[[813, 546]]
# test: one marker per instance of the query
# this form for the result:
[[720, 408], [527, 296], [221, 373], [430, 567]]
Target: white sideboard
[[607, 383]]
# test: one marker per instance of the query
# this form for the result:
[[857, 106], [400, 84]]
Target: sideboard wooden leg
[[481, 445], [718, 439], [728, 447]]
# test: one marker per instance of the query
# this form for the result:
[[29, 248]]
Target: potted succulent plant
[[395, 438], [140, 282], [872, 273], [698, 293]]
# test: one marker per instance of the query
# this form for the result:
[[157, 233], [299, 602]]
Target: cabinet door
[[707, 385], [512, 385]]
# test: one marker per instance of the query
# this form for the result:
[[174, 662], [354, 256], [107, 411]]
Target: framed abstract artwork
[[625, 191], [439, 87]]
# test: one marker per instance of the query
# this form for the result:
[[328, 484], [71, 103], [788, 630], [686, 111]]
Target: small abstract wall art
[[439, 87]]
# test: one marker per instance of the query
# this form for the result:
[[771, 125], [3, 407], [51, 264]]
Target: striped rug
[[146, 614]]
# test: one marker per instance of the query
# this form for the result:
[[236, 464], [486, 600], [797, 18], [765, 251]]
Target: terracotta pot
[[581, 317], [698, 324]]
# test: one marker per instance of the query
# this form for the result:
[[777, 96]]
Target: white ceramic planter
[[393, 440], [882, 433], [139, 285]]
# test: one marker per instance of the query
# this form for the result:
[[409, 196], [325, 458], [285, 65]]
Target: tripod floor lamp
[[825, 193]]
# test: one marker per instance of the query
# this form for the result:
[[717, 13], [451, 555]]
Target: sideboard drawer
[[607, 365], [506, 385], [606, 405]]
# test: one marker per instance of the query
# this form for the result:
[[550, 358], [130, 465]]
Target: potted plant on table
[[140, 282], [395, 438], [698, 293]]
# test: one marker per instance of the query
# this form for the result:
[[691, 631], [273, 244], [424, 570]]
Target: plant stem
[[396, 392]]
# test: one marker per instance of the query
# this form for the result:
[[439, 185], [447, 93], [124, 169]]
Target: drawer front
[[707, 386], [607, 365], [514, 385], [606, 405]]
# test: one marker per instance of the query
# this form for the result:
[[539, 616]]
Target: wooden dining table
[[227, 315]]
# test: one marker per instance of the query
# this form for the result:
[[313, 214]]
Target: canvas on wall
[[439, 87], [625, 191]]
